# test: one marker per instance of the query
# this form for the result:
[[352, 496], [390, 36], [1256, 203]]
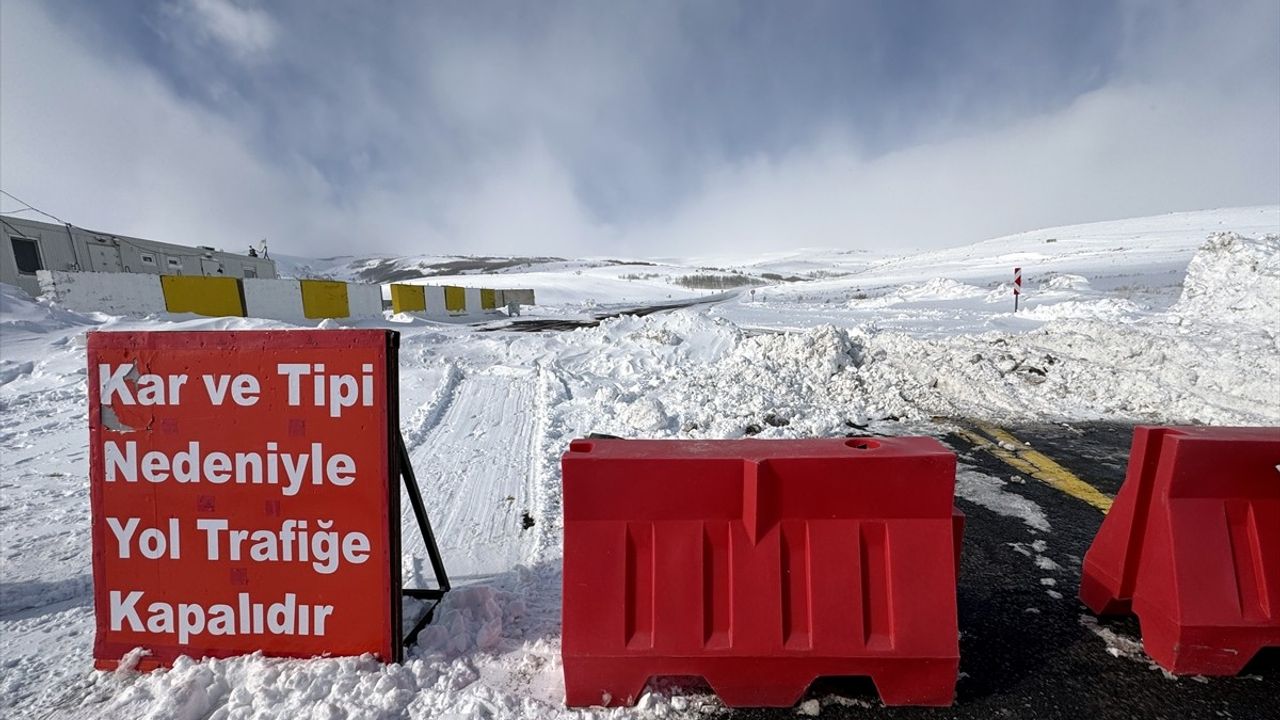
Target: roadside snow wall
[[449, 300], [296, 301], [111, 293], [364, 301], [278, 299], [1234, 278]]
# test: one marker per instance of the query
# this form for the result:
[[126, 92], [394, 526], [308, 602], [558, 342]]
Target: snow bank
[[1097, 360], [1234, 279], [20, 312], [1088, 346], [683, 374], [1064, 281], [938, 289], [488, 655], [1105, 309]]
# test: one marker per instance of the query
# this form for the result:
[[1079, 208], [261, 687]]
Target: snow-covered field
[[1167, 319]]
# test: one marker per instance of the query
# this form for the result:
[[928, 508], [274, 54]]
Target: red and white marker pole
[[1017, 286]]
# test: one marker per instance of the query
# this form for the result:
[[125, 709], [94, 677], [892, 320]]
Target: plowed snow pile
[[1234, 279], [1109, 329]]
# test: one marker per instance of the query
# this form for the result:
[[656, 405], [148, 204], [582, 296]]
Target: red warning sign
[[243, 493]]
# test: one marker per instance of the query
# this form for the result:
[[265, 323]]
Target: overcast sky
[[631, 128]]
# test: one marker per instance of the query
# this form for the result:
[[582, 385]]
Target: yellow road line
[[1021, 457]]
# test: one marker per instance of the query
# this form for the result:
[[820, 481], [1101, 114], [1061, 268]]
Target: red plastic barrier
[[1192, 547], [760, 565]]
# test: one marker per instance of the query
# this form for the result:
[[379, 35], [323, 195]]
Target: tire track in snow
[[428, 415], [472, 455], [549, 443]]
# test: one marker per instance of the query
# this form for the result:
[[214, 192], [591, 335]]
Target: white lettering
[[125, 610], [186, 463], [343, 393], [323, 548], [294, 469], [155, 467], [125, 463], [211, 529], [341, 469], [216, 387], [161, 619], [245, 617], [124, 534], [294, 371], [217, 466], [151, 389], [190, 465], [366, 385], [152, 544], [280, 616], [221, 620], [112, 385], [355, 548], [190, 621], [244, 390]]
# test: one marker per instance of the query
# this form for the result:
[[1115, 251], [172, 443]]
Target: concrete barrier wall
[[112, 293], [303, 301], [408, 298], [449, 300], [297, 301], [278, 299], [211, 296], [434, 296], [520, 297], [455, 299], [324, 299], [364, 301]]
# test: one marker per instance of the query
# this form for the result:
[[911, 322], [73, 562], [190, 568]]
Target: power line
[[33, 207], [12, 229], [117, 238]]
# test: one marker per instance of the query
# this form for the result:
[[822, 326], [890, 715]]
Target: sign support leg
[[428, 539]]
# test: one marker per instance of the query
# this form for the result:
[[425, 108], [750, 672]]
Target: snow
[[1173, 319], [981, 489], [1239, 274], [1122, 646]]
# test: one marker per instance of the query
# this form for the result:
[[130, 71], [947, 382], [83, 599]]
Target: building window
[[148, 259], [175, 264], [26, 253], [251, 272]]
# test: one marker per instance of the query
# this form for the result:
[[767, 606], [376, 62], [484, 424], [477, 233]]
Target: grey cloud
[[588, 128]]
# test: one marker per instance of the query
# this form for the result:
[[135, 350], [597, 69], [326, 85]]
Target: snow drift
[[1111, 331]]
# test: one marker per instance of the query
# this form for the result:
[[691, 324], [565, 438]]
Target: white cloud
[[1116, 152], [105, 144], [458, 143], [247, 32]]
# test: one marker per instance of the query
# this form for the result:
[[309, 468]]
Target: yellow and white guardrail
[[289, 300], [453, 300]]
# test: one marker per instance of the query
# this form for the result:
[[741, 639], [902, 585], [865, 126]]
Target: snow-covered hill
[[1167, 319], [1141, 258]]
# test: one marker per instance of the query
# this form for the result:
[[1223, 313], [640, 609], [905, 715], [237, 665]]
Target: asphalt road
[[1027, 654], [550, 324], [1031, 650]]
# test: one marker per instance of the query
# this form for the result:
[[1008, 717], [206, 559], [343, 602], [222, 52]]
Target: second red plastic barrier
[[1192, 547], [760, 566]]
